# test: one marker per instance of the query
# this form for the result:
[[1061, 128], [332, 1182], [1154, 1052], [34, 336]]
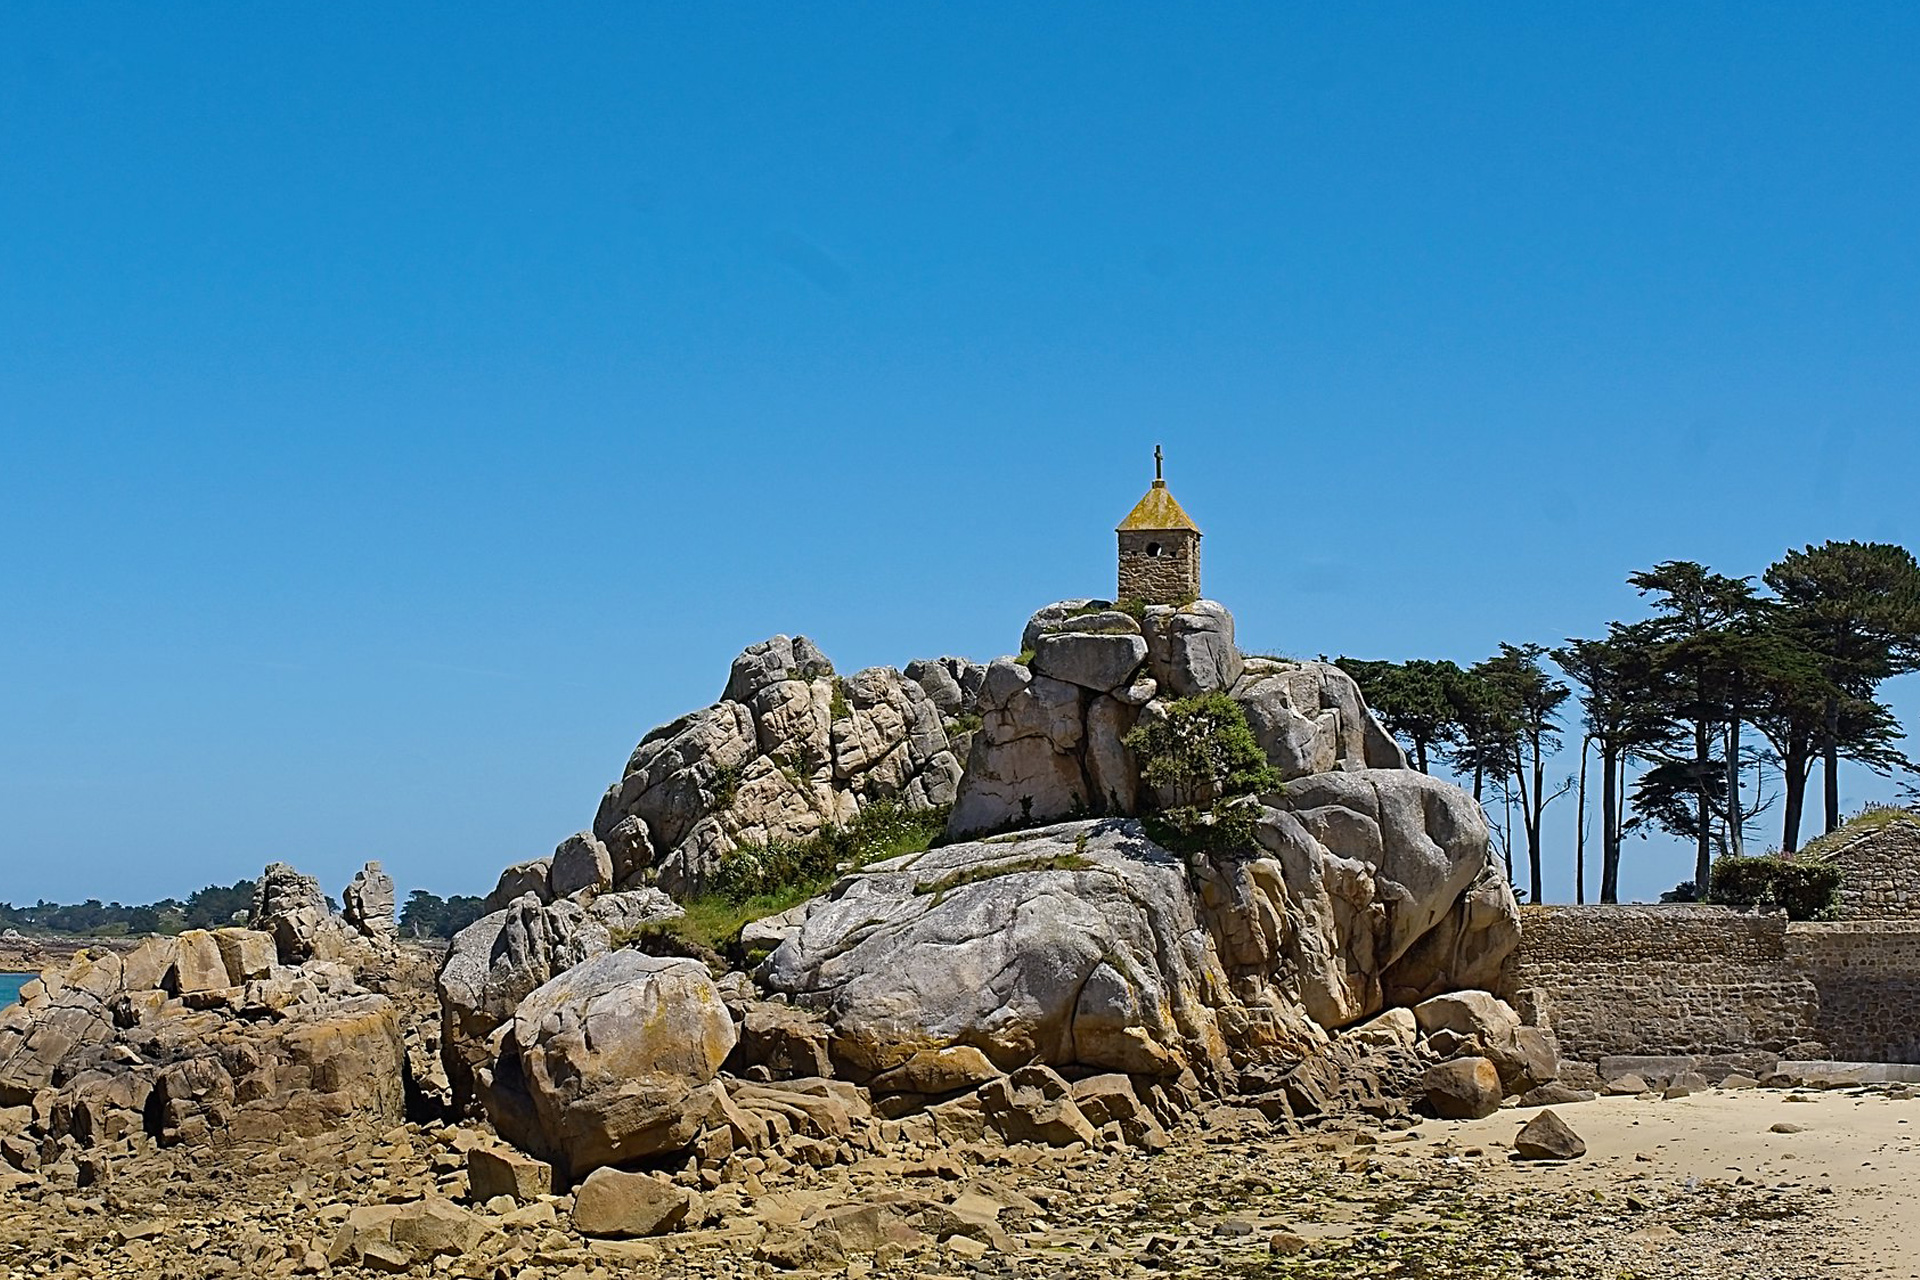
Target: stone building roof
[[1157, 510]]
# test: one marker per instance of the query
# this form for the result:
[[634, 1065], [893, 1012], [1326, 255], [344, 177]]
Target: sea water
[[10, 984]]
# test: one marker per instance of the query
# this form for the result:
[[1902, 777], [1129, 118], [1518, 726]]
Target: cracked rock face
[[1087, 945], [195, 1040], [789, 749]]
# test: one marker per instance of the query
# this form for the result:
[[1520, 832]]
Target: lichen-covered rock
[[1052, 743], [1191, 648], [206, 1042], [1100, 662], [1377, 861], [610, 1061], [1025, 764], [951, 684], [1077, 944], [1057, 616], [246, 954], [1309, 717]]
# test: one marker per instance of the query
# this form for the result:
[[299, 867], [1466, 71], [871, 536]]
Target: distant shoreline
[[31, 955]]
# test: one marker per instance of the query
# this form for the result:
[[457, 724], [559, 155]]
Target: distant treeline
[[428, 915], [425, 915]]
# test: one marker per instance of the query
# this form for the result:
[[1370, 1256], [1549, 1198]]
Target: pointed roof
[[1157, 510]]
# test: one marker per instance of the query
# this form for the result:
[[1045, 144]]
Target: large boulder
[[494, 964], [1479, 1024], [1548, 1137], [534, 876], [498, 960], [611, 1061], [1191, 647], [1091, 661], [616, 1204], [1025, 764], [1463, 1089], [774, 661], [1087, 945], [1309, 717], [1380, 863], [1070, 945], [1056, 617], [580, 864]]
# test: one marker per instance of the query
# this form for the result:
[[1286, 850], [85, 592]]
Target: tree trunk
[[1736, 836], [1794, 768], [1533, 824], [1830, 756], [1580, 830], [1703, 809], [1609, 824], [1420, 754]]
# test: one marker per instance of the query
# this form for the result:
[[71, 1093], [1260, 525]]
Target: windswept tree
[[1855, 607], [1530, 700], [1621, 699], [1418, 700], [1481, 749], [1702, 631]]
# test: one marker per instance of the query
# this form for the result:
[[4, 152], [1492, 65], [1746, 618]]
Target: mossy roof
[[1157, 510]]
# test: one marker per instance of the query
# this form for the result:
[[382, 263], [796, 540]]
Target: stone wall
[[1881, 866], [1700, 980], [1867, 974], [1662, 980]]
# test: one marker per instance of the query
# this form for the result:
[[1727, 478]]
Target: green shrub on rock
[[1202, 755]]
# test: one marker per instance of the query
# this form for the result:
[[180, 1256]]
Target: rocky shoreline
[[1222, 1199], [1071, 1037], [20, 954]]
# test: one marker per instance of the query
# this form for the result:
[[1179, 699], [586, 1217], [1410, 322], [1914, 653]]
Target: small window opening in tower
[[1155, 549]]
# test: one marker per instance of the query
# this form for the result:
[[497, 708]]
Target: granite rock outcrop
[[790, 748], [1052, 740]]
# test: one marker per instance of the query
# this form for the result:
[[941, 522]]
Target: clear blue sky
[[403, 408]]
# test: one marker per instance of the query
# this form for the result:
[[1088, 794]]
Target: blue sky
[[404, 408]]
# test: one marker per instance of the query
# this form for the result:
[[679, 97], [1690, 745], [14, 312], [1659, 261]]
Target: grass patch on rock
[[757, 881]]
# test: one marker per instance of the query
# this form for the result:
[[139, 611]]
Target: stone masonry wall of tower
[[1172, 577]]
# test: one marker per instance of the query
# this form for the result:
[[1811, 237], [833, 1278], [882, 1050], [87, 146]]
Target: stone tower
[[1159, 548]]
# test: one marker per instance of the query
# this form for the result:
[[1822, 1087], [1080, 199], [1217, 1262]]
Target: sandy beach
[[1855, 1150]]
